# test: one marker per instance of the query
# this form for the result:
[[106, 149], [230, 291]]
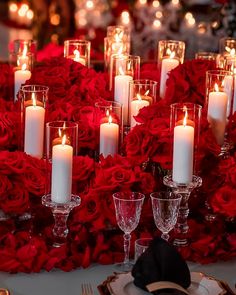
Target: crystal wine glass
[[165, 208], [128, 206]]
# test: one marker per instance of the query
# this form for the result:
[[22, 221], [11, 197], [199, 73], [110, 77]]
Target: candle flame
[[107, 113], [24, 52], [232, 52], [121, 72], [216, 87], [77, 55], [24, 67], [59, 132], [170, 53], [185, 116], [139, 97], [110, 119], [227, 49], [64, 126], [147, 92], [33, 97], [63, 139], [120, 50], [117, 38]]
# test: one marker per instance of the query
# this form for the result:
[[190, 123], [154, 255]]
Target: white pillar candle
[[34, 130], [183, 154], [20, 77], [136, 105], [109, 138], [167, 64], [62, 156], [122, 93], [217, 113]]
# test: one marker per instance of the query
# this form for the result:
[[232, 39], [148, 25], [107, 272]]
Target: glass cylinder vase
[[78, 50], [142, 93], [33, 109], [227, 46], [170, 55], [124, 68], [22, 47], [219, 94], [108, 116], [203, 55]]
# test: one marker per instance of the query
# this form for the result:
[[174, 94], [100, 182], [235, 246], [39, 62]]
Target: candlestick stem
[[184, 190], [60, 212]]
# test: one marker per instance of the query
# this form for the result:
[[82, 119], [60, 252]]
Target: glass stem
[[127, 238]]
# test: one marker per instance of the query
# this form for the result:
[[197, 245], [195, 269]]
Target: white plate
[[200, 285]]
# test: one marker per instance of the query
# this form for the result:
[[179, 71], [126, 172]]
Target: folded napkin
[[161, 270]]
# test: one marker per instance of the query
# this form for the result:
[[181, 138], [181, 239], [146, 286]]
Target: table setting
[[131, 167]]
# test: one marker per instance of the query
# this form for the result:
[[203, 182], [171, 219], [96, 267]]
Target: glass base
[[124, 267], [60, 213], [178, 242]]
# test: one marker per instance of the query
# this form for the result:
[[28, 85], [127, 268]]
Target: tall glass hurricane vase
[[128, 208]]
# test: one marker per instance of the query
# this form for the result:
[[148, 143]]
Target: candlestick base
[[184, 189], [60, 214]]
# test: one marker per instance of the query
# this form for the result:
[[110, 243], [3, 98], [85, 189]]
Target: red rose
[[5, 186], [86, 137], [17, 199], [6, 81], [150, 72], [9, 130], [12, 162], [223, 201]]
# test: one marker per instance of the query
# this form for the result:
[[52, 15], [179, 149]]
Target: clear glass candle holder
[[124, 68], [142, 93], [227, 46], [108, 118], [185, 129], [114, 46], [33, 110], [219, 98], [22, 47], [203, 55], [78, 50], [170, 55]]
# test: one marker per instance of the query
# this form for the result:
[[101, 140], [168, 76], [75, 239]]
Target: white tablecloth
[[61, 283]]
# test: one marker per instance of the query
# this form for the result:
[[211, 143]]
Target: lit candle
[[167, 64], [62, 156], [183, 152], [20, 77], [78, 58], [136, 105], [122, 92], [109, 138], [228, 89], [217, 112], [34, 129]]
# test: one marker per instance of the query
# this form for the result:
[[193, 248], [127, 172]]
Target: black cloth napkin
[[161, 262]]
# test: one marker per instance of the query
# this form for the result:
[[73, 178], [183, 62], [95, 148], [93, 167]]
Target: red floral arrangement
[[94, 235]]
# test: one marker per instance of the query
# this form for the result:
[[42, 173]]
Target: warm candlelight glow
[[13, 7], [63, 140], [216, 87], [143, 2], [159, 14], [147, 92], [157, 23], [155, 3], [89, 4], [231, 51], [175, 2], [109, 119], [34, 99], [139, 97], [30, 14], [170, 53], [24, 67], [77, 55], [185, 116], [125, 17], [121, 72]]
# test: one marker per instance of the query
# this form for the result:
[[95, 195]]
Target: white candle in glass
[[228, 89], [217, 113], [234, 97], [77, 57], [61, 182], [136, 105], [183, 152], [20, 77], [122, 93], [167, 64], [34, 129], [109, 138]]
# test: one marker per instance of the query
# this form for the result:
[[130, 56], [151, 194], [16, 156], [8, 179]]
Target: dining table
[[60, 283]]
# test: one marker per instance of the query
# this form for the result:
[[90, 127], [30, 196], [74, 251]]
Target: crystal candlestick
[[184, 190], [60, 212]]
